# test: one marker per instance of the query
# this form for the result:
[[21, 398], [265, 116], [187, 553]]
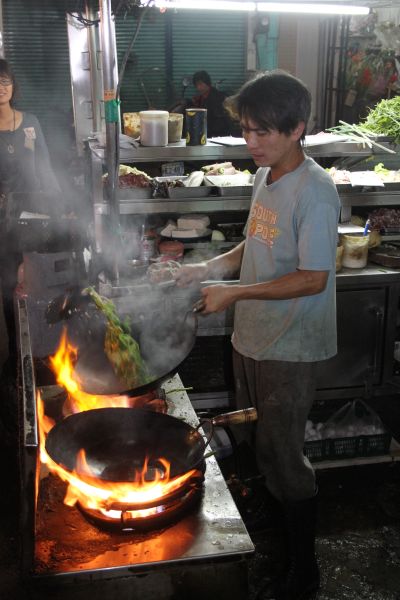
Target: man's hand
[[190, 274], [216, 298]]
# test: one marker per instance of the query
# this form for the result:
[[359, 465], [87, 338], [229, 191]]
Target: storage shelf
[[233, 203], [211, 151], [381, 198], [160, 205]]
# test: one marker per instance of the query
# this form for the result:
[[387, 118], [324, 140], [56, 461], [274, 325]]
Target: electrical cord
[[129, 48]]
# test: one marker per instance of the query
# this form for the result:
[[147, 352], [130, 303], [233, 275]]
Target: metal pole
[[112, 129], [96, 75]]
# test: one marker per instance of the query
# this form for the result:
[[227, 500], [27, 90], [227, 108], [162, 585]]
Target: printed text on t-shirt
[[262, 224]]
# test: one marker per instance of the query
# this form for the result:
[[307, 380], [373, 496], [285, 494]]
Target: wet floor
[[358, 536], [358, 533], [358, 529]]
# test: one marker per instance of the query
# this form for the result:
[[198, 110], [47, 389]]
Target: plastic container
[[154, 127], [148, 245], [175, 127], [339, 258], [196, 126], [355, 251]]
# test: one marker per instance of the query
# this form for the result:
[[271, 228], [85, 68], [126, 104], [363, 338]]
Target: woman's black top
[[24, 160]]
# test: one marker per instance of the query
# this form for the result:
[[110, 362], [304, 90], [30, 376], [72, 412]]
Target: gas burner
[[151, 515]]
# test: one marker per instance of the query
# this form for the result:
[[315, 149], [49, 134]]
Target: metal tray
[[185, 240], [387, 255], [134, 193], [235, 190], [392, 185], [200, 191]]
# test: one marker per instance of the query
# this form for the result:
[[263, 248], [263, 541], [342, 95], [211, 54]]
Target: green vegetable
[[384, 119], [121, 348], [379, 168]]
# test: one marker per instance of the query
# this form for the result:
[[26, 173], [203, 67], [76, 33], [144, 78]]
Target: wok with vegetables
[[116, 356], [121, 348]]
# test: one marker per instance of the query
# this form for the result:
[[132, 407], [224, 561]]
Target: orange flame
[[62, 364], [83, 484], [97, 494]]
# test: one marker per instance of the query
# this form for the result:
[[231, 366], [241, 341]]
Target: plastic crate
[[348, 447]]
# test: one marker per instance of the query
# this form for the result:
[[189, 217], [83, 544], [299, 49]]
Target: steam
[[161, 323]]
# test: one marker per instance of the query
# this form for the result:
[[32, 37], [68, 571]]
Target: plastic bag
[[352, 420]]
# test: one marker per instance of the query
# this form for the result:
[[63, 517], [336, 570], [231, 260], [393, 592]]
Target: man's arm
[[219, 267], [217, 298]]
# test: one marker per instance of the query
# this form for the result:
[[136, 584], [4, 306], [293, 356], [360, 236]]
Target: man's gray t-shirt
[[292, 225]]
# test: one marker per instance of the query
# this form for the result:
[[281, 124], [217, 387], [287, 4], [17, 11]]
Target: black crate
[[348, 447], [315, 450]]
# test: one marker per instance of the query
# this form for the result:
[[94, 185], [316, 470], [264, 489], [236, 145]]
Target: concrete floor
[[358, 539], [358, 536]]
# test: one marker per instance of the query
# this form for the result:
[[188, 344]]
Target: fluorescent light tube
[[310, 8], [206, 5], [285, 7]]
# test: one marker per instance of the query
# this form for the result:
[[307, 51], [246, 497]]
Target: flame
[[96, 494], [83, 485], [62, 364]]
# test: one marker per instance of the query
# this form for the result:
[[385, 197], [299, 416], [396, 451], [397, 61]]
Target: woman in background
[[25, 175], [24, 157]]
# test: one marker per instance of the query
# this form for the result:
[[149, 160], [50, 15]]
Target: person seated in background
[[218, 121]]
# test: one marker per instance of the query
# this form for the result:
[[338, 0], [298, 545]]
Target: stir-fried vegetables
[[121, 349], [384, 119]]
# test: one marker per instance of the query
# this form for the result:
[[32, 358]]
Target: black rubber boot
[[301, 578]]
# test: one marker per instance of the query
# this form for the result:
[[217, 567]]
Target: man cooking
[[285, 310]]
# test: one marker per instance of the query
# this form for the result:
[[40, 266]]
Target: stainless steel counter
[[371, 274], [211, 531]]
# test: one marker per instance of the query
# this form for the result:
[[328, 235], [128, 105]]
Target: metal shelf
[[166, 206], [211, 151], [173, 152], [380, 198]]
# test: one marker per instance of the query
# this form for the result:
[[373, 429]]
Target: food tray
[[392, 185], [134, 193], [200, 191], [348, 447], [185, 240], [235, 190], [344, 187], [387, 255]]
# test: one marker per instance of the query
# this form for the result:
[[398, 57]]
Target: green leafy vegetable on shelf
[[380, 168], [384, 119], [121, 349]]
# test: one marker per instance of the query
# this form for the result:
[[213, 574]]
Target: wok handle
[[247, 415]]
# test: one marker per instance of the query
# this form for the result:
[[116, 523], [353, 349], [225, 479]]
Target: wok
[[165, 340], [118, 440]]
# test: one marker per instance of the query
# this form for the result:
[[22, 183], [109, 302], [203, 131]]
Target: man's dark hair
[[274, 100], [202, 76], [6, 72]]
